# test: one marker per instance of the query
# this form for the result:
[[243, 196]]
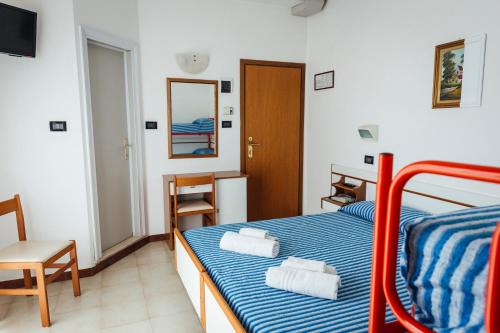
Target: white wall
[[226, 29], [115, 17], [383, 53], [45, 168]]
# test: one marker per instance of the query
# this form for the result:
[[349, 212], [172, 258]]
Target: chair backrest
[[194, 181], [11, 206]]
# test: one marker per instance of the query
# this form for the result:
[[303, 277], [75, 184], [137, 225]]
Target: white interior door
[[111, 149]]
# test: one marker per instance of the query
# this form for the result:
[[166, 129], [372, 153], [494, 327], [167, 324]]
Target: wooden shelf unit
[[357, 191]]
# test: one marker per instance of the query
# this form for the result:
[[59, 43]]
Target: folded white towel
[[254, 232], [304, 282], [330, 270], [262, 247], [308, 264]]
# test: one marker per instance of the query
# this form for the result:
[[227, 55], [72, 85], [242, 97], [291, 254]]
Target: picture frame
[[448, 74], [325, 80]]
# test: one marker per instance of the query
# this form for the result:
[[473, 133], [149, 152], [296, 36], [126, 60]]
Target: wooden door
[[272, 101]]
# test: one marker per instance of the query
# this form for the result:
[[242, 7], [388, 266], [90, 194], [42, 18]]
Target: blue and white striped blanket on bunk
[[445, 262], [198, 126]]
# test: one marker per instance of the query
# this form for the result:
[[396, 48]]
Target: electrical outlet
[[369, 159], [228, 110]]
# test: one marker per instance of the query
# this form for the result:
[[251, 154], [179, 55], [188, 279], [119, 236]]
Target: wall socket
[[228, 110], [369, 159]]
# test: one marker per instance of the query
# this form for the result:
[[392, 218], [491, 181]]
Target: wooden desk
[[231, 193]]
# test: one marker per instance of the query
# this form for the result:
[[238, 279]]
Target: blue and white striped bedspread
[[446, 263], [187, 128], [340, 239]]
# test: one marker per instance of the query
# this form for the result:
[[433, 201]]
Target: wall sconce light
[[192, 62], [368, 132]]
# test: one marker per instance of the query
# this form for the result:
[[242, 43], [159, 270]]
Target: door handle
[[126, 146], [251, 144]]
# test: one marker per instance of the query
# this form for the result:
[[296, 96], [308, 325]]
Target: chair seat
[[193, 206], [32, 251]]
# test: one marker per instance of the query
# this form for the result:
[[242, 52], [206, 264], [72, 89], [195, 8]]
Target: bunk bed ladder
[[388, 207]]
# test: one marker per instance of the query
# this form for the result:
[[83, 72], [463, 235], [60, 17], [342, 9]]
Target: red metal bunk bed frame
[[387, 213]]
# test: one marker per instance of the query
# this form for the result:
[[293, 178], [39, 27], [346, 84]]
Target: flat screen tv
[[17, 31]]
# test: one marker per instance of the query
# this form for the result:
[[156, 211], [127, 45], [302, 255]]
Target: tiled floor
[[140, 293]]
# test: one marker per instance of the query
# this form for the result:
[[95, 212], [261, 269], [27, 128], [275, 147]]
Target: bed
[[200, 131], [191, 129], [228, 289], [202, 126], [451, 261]]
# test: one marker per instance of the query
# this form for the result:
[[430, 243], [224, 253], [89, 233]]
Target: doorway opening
[[112, 137]]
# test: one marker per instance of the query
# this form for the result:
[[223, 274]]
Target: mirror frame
[[171, 155]]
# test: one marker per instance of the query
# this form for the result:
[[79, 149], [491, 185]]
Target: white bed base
[[214, 313]]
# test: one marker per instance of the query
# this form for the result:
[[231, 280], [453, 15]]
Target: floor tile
[[125, 263], [123, 314], [139, 327], [122, 293], [170, 283], [155, 272], [113, 278], [165, 304], [67, 302], [82, 321], [184, 322]]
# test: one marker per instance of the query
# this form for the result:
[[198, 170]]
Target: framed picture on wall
[[448, 74], [324, 80]]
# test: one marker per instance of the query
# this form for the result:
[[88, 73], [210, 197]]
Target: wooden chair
[[206, 206], [36, 255]]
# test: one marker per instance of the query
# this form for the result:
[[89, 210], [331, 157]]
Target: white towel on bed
[[254, 232], [262, 247], [308, 264], [303, 282]]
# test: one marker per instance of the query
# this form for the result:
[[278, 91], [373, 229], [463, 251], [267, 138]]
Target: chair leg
[[172, 238], [42, 296], [27, 279], [75, 277]]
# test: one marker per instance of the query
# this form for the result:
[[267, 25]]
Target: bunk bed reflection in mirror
[[192, 118]]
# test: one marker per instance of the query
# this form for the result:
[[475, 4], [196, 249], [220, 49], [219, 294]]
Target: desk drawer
[[191, 189]]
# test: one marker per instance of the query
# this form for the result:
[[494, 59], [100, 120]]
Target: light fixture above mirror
[[193, 62]]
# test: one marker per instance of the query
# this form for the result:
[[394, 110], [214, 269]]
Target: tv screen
[[17, 31]]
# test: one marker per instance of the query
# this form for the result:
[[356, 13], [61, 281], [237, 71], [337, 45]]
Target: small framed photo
[[324, 80], [448, 75]]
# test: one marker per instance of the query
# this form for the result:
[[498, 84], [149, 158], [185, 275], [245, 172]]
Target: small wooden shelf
[[356, 191], [335, 202]]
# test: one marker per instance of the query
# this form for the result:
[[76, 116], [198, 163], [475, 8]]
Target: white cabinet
[[231, 200]]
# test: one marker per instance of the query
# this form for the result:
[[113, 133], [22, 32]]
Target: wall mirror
[[192, 118]]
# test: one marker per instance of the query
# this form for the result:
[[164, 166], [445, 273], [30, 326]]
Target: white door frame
[[131, 59]]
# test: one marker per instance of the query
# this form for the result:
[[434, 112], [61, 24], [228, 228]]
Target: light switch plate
[[58, 126], [228, 110]]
